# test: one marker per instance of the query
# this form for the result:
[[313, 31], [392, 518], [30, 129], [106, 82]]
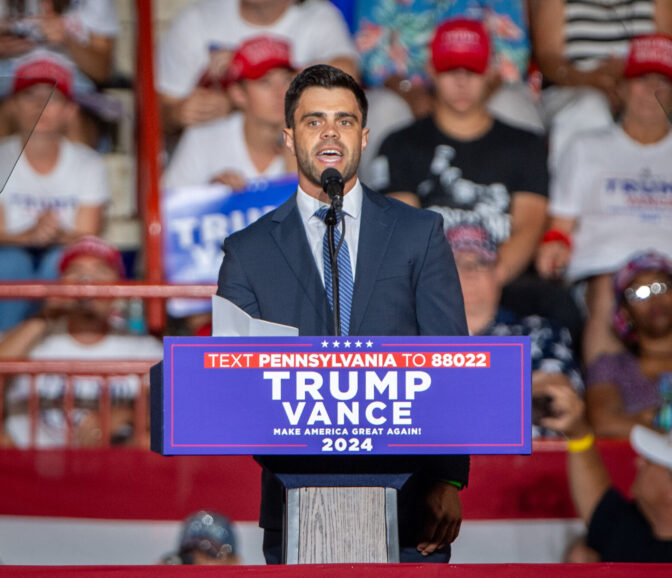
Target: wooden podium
[[315, 396], [329, 523]]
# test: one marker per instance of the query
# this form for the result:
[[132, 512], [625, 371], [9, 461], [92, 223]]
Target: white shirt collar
[[352, 203]]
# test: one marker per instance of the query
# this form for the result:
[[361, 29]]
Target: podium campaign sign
[[343, 395]]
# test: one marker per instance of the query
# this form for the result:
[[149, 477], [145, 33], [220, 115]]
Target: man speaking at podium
[[397, 277]]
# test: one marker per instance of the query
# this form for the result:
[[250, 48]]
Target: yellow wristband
[[581, 445]]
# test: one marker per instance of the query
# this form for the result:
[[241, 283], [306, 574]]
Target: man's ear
[[623, 89], [288, 136], [237, 95], [431, 72], [493, 78], [365, 139], [10, 106], [70, 110], [627, 316]]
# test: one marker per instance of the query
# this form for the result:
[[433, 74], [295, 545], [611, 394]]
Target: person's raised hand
[[11, 45], [569, 412], [232, 179], [219, 62], [52, 25], [552, 259], [606, 77], [202, 105]]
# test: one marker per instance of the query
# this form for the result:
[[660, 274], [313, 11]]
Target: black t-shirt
[[620, 533], [467, 181]]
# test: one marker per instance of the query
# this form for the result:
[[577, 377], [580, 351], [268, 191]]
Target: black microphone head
[[331, 177]]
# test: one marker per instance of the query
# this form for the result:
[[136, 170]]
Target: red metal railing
[[102, 370], [149, 146], [152, 289], [123, 290], [148, 151], [105, 369]]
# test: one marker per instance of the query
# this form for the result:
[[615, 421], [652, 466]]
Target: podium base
[[341, 525]]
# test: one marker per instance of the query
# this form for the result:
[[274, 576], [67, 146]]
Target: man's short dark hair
[[323, 76]]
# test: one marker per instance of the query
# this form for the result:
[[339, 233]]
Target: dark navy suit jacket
[[406, 283]]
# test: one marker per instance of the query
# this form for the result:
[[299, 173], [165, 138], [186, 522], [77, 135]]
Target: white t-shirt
[[63, 346], [51, 428], [97, 17], [206, 150], [315, 30], [79, 178], [620, 192]]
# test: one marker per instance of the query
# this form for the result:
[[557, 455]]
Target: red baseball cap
[[649, 54], [92, 246], [461, 43], [44, 67], [257, 56]]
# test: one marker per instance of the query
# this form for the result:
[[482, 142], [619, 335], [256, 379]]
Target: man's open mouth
[[330, 154]]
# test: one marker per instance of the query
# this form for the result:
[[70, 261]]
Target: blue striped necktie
[[345, 281]]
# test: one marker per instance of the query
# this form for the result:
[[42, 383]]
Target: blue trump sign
[[197, 219], [344, 395]]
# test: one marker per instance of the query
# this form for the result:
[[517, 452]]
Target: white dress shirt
[[315, 227]]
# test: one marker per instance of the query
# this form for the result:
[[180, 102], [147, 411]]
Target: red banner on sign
[[214, 360]]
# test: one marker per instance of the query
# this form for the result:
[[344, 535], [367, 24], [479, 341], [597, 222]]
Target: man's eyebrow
[[311, 114], [340, 115], [320, 114]]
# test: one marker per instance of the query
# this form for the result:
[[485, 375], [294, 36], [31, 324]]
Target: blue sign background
[[231, 411], [197, 220]]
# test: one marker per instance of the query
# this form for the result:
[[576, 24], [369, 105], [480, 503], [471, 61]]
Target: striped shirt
[[597, 29]]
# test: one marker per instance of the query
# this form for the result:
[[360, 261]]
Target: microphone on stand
[[332, 184]]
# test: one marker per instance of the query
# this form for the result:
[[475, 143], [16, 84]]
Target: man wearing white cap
[[619, 530]]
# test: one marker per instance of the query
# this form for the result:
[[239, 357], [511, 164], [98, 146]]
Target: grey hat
[[209, 532]]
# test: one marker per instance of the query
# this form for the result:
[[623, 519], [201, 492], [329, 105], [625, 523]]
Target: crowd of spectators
[[538, 129]]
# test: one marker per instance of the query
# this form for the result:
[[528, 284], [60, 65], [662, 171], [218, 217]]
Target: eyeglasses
[[644, 292]]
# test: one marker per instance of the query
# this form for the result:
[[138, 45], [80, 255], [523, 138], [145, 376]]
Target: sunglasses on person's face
[[645, 291]]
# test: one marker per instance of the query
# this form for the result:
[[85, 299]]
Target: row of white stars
[[347, 343]]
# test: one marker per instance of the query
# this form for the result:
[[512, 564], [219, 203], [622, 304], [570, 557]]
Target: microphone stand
[[331, 221]]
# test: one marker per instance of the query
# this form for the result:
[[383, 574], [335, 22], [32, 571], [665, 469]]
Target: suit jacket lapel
[[290, 236], [374, 236]]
